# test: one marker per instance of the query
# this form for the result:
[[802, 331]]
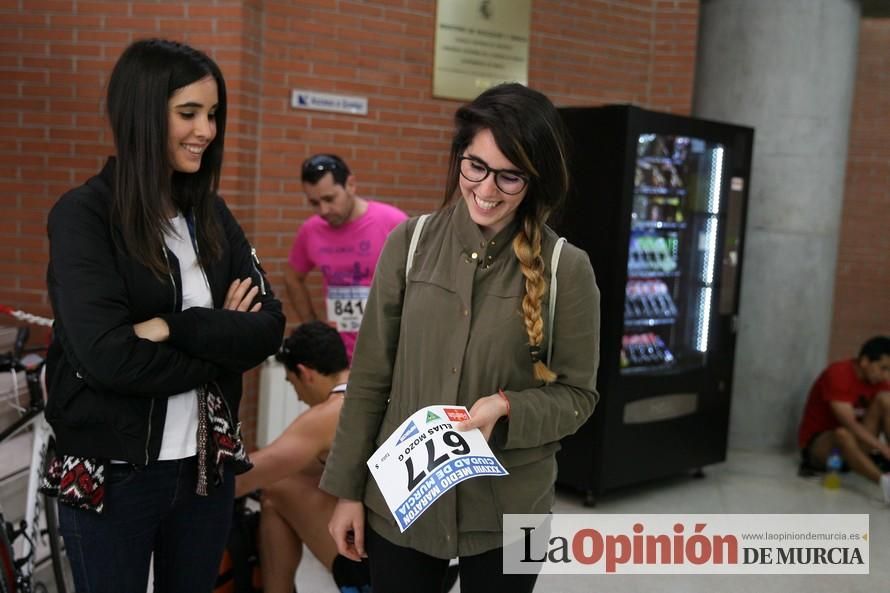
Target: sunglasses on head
[[283, 353], [319, 163]]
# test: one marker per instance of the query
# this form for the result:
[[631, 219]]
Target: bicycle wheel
[[7, 568], [61, 569]]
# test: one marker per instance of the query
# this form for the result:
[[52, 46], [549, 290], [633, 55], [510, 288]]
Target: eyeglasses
[[320, 163], [509, 182]]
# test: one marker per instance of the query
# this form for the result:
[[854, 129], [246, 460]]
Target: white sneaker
[[885, 487]]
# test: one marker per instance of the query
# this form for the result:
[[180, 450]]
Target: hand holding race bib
[[425, 457]]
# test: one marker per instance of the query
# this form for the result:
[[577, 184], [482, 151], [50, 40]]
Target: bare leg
[[877, 417], [876, 421], [307, 510], [849, 448], [280, 549]]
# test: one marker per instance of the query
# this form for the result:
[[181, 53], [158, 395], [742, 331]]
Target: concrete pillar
[[787, 68]]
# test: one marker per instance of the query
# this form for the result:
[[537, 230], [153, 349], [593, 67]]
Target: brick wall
[[862, 285], [56, 55], [55, 59], [582, 53]]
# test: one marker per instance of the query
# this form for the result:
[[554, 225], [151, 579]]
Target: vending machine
[[658, 203]]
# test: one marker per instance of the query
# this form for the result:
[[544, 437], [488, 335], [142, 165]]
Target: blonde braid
[[527, 247]]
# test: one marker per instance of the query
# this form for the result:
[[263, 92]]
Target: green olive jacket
[[454, 335]]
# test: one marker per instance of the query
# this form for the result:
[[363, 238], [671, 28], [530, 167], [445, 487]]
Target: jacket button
[[466, 312], [474, 255], [453, 370]]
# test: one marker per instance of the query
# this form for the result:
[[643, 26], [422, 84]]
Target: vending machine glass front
[[672, 265]]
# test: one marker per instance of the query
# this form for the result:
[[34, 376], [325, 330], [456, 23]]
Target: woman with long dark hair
[[160, 306], [469, 327]]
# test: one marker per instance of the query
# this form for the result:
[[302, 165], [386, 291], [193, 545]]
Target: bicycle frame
[[29, 540], [36, 538], [34, 503]]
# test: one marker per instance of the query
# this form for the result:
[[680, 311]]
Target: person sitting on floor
[[847, 410], [294, 510]]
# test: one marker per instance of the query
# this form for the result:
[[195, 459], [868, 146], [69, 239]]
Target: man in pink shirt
[[343, 240]]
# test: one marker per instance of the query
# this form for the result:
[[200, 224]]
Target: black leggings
[[395, 569]]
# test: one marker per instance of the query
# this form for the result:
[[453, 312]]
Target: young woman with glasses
[[160, 306], [468, 327]]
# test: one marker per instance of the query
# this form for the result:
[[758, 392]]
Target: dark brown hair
[[529, 131], [143, 80]]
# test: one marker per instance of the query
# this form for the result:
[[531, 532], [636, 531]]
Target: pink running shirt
[[346, 256]]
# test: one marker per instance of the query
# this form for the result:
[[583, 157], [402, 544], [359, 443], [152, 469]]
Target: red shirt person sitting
[[847, 409]]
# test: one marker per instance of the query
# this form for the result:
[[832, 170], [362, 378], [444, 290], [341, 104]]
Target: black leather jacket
[[108, 389]]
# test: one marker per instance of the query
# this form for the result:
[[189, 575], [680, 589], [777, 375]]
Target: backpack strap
[[554, 263], [412, 247]]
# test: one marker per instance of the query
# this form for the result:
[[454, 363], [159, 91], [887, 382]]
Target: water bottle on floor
[[833, 464]]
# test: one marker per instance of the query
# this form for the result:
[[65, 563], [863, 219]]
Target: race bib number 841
[[426, 457], [346, 306]]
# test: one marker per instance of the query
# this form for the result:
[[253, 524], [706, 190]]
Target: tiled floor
[[746, 483]]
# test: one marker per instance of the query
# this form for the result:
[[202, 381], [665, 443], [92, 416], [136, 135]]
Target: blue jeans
[[150, 510]]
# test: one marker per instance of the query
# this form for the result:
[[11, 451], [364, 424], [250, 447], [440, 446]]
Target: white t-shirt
[[181, 425]]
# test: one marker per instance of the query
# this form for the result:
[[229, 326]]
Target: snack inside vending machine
[[658, 203]]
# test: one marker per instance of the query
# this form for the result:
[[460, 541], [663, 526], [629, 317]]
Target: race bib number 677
[[426, 457]]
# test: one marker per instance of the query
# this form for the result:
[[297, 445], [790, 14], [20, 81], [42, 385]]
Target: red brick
[[49, 6], [18, 19], [152, 9], [862, 303], [23, 48], [360, 8], [87, 50], [80, 21], [233, 11], [117, 38], [144, 26], [103, 8], [52, 35]]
